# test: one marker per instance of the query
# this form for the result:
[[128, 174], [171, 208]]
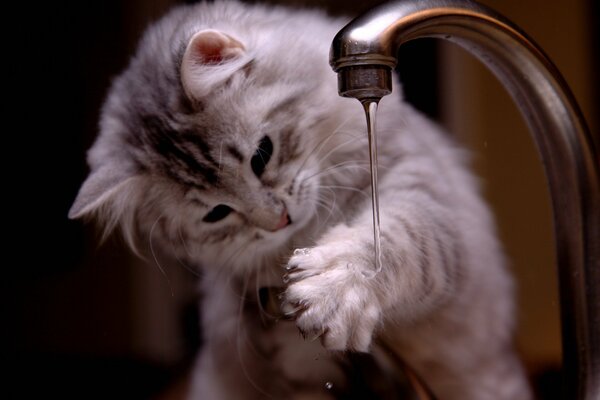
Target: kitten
[[225, 140]]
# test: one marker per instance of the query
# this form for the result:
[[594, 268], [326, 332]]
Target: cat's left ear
[[211, 57]]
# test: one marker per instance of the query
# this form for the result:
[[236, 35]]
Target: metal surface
[[368, 45]]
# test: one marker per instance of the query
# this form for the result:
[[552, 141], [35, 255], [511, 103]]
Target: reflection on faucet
[[364, 54]]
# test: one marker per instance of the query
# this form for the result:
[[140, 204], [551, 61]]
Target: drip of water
[[370, 107], [302, 252]]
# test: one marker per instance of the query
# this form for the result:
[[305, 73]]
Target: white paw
[[331, 298]]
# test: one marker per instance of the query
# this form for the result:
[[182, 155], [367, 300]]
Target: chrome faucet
[[364, 53]]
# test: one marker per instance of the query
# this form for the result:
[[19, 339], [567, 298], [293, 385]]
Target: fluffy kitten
[[225, 140]]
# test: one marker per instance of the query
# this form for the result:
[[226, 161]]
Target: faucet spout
[[364, 53]]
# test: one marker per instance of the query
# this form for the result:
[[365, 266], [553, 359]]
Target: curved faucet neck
[[364, 53]]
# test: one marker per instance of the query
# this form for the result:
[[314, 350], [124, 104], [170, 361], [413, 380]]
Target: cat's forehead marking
[[235, 152], [178, 156], [195, 140], [284, 106], [185, 153]]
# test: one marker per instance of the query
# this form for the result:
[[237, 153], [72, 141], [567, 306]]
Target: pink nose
[[283, 221]]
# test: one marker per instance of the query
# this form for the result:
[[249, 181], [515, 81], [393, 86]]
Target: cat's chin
[[275, 240]]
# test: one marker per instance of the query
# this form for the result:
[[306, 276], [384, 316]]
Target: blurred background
[[85, 320]]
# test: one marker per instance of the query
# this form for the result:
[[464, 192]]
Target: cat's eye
[[217, 213], [261, 156]]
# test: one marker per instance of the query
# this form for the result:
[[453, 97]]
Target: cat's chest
[[298, 359]]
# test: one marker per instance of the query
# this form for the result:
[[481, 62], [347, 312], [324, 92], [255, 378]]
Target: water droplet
[[302, 252], [291, 267], [328, 385]]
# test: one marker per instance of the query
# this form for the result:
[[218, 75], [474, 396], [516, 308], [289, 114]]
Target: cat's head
[[211, 141]]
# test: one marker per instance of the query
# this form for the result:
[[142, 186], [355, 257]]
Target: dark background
[[69, 319]]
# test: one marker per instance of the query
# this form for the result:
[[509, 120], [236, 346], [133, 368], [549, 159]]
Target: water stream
[[370, 107]]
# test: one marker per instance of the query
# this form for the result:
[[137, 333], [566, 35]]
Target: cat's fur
[[177, 136]]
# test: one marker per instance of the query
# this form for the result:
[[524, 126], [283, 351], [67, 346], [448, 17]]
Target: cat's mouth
[[284, 220]]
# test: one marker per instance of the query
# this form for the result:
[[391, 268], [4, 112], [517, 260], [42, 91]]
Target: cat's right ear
[[100, 190], [210, 58]]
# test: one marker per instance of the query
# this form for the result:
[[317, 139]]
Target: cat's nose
[[284, 220], [271, 217]]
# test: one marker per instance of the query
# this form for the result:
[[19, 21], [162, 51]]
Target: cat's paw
[[331, 297]]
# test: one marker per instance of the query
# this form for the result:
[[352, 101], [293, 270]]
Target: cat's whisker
[[229, 276], [317, 148], [179, 260], [342, 165], [197, 274], [326, 204], [157, 263], [182, 240], [331, 208], [350, 188], [339, 146], [242, 248], [320, 203]]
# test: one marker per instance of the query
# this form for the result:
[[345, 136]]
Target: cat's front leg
[[330, 291]]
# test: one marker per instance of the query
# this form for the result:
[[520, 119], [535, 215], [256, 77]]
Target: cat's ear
[[211, 47], [100, 187], [210, 57]]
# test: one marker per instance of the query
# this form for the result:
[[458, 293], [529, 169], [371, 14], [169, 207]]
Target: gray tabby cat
[[225, 140]]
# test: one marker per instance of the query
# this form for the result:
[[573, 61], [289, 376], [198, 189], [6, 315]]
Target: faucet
[[363, 54]]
